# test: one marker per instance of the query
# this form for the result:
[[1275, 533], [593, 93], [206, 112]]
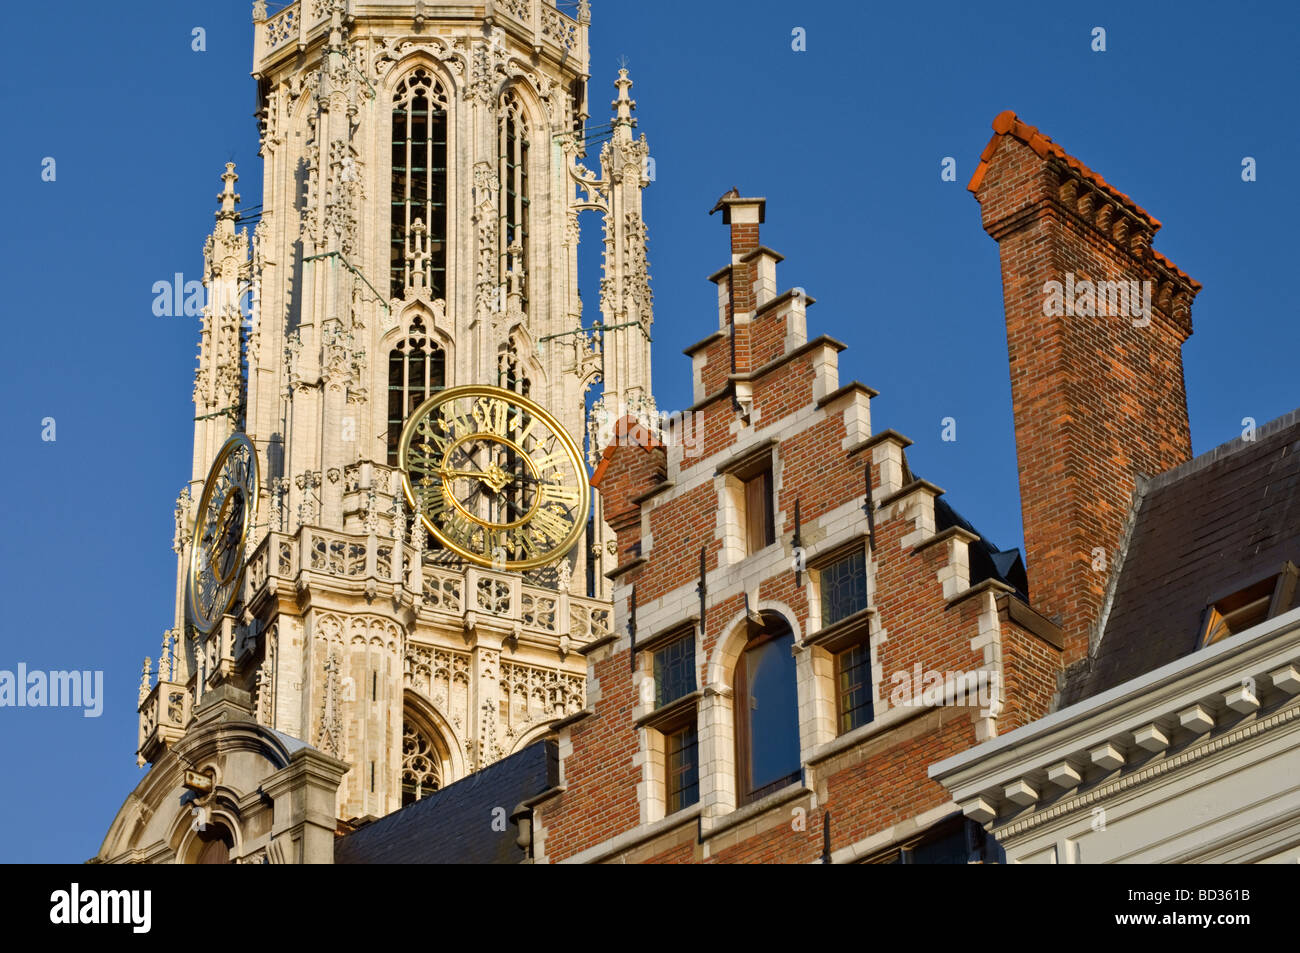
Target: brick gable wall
[[818, 436]]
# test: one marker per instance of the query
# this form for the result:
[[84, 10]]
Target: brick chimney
[[1096, 320], [736, 288]]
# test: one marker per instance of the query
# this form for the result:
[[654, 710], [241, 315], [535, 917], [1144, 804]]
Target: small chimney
[[1095, 321], [743, 216]]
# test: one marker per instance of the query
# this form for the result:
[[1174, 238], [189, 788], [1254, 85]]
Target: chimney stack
[[743, 216], [1096, 319]]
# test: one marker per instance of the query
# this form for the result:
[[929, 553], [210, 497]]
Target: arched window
[[767, 711], [421, 766], [512, 137], [216, 843], [417, 368], [419, 143]]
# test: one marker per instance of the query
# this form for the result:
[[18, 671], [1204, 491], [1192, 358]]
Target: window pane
[[674, 670], [773, 714], [844, 588], [758, 512], [853, 675], [681, 749], [952, 843]]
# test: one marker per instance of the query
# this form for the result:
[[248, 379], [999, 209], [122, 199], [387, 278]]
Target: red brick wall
[[1029, 666], [600, 799]]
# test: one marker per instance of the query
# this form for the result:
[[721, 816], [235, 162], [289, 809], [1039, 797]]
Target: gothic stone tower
[[422, 184]]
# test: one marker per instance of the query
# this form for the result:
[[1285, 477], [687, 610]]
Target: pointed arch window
[[512, 136], [421, 766], [417, 368], [419, 143]]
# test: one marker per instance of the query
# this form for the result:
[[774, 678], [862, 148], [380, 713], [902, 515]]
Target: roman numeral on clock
[[458, 527], [520, 429], [559, 493], [520, 542], [491, 414], [552, 461], [550, 525], [422, 458], [431, 499]]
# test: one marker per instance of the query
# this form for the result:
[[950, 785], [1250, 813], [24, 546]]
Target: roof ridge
[[1223, 450]]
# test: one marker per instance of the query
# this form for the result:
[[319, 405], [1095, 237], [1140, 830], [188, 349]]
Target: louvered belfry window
[[513, 171], [419, 143], [417, 368]]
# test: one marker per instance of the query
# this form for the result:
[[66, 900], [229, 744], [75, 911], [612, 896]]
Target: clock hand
[[468, 474]]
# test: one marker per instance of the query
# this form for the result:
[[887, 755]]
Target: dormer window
[[1250, 606]]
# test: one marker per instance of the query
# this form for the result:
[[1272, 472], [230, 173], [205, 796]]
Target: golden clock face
[[494, 477], [226, 510]]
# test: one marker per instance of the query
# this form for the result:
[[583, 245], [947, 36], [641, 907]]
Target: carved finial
[[144, 679], [584, 11], [229, 198], [259, 11], [165, 658], [624, 104], [182, 536]]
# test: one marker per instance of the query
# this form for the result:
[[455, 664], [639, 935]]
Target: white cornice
[[1124, 720]]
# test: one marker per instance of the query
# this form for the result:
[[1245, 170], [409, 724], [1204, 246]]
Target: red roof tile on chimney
[[1008, 124]]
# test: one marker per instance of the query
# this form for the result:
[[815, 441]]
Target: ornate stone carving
[[279, 489], [421, 766], [330, 734], [264, 686], [308, 482], [144, 680], [165, 657], [184, 533], [637, 275]]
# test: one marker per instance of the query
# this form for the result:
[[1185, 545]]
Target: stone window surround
[[653, 724], [729, 481]]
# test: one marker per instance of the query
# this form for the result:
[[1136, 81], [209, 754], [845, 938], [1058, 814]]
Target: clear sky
[[845, 139]]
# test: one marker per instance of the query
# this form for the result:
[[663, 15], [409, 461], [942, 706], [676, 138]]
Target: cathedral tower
[[418, 231]]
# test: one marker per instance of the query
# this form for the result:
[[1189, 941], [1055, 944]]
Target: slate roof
[[454, 825], [986, 560], [1201, 531]]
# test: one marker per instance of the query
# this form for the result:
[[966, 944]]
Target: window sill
[[670, 715], [844, 633], [791, 792], [882, 723], [681, 627]]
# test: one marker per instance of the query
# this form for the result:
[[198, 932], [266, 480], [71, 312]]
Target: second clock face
[[494, 477], [226, 510]]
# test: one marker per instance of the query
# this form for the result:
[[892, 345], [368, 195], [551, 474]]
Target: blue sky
[[844, 139]]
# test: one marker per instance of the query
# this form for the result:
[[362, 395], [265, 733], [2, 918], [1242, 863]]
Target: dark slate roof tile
[[1222, 521], [455, 825]]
